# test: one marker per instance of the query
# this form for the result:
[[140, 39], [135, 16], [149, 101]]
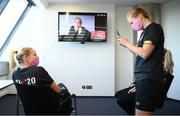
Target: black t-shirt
[[151, 67], [32, 75]]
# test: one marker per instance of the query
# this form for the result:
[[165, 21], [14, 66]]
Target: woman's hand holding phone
[[122, 40]]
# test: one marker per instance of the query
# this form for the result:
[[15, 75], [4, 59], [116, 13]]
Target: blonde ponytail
[[12, 63], [168, 62]]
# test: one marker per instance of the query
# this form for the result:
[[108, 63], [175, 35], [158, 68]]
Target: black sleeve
[[154, 35], [87, 33], [45, 76]]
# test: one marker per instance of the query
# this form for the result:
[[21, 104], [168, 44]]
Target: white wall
[[170, 15], [71, 63], [124, 58]]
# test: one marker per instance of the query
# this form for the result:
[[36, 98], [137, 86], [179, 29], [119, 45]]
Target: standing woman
[[149, 60], [28, 71]]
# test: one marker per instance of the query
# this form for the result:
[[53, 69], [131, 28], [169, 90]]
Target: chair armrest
[[67, 98]]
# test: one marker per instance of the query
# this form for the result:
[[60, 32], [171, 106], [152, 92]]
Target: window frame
[[17, 24], [3, 4]]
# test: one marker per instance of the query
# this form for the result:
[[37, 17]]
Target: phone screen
[[118, 33]]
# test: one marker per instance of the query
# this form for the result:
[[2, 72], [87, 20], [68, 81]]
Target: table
[[5, 83]]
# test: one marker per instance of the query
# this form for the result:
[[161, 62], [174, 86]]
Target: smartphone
[[118, 33]]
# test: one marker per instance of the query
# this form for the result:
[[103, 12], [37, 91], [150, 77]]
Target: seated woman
[[28, 71], [126, 97]]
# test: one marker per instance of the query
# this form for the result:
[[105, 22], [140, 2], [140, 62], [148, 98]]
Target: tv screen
[[82, 26]]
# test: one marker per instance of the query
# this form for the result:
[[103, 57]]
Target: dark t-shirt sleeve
[[45, 76], [153, 36]]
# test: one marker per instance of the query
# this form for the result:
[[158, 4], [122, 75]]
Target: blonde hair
[[12, 63], [135, 11], [168, 62], [19, 55]]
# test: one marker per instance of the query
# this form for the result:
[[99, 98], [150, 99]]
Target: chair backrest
[[39, 99], [168, 78]]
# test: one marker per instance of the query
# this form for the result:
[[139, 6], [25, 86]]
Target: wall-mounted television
[[82, 27]]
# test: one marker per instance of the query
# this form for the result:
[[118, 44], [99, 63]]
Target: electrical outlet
[[88, 86], [83, 87]]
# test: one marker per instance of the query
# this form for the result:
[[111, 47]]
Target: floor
[[90, 106]]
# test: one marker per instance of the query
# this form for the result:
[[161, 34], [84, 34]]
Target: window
[[10, 18]]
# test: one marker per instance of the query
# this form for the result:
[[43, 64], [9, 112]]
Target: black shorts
[[148, 95]]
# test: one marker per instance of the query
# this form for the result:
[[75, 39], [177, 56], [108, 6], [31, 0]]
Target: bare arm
[[55, 87], [143, 52]]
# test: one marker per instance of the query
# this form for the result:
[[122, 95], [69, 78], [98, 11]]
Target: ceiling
[[116, 2]]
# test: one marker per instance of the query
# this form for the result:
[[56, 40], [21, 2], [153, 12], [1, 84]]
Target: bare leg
[[140, 112]]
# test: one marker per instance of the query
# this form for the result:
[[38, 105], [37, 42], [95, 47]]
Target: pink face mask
[[34, 62], [137, 25]]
